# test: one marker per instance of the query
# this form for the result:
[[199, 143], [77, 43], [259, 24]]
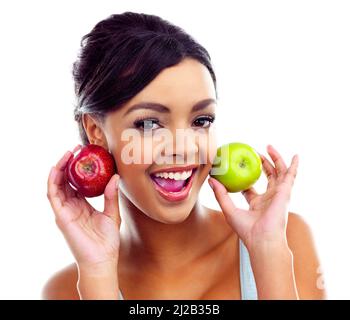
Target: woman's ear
[[94, 131], [95, 134]]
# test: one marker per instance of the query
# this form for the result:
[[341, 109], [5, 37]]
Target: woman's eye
[[146, 124], [204, 122]]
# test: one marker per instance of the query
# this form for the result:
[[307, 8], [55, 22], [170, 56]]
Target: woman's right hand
[[92, 236]]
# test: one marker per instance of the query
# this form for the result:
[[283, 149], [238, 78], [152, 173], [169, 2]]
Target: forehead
[[186, 83]]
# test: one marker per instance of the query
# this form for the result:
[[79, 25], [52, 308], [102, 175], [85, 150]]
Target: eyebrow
[[163, 109]]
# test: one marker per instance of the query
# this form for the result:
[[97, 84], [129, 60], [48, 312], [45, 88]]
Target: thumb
[[233, 215], [111, 199]]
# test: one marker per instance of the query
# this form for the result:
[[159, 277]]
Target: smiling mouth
[[174, 187]]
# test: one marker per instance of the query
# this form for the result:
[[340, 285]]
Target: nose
[[186, 150], [180, 147]]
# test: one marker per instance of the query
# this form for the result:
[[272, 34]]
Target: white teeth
[[175, 175], [183, 176]]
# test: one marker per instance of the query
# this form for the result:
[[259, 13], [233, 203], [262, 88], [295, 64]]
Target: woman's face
[[159, 139]]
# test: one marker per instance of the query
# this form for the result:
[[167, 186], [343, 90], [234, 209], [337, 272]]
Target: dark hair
[[123, 54]]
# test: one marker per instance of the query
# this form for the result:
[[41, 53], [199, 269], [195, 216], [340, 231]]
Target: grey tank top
[[248, 287]]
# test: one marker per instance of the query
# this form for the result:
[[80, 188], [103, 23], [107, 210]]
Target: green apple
[[237, 166]]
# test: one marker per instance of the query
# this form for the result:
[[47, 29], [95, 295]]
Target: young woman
[[140, 72]]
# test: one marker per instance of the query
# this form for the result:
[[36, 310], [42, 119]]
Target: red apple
[[90, 170]]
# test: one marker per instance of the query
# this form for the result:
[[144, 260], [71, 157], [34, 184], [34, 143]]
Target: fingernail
[[51, 171], [117, 182], [67, 154]]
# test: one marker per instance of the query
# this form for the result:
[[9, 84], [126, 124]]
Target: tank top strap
[[120, 296], [248, 286]]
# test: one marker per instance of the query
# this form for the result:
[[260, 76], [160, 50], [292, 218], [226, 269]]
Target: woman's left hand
[[265, 222]]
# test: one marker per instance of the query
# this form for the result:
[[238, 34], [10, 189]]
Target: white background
[[283, 72]]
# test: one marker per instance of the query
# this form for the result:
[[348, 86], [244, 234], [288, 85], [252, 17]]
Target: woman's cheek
[[208, 149], [134, 182]]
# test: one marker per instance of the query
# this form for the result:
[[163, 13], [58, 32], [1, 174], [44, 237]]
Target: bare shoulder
[[307, 265], [219, 229], [62, 285], [218, 221]]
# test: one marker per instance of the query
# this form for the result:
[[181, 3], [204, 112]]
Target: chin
[[175, 216], [174, 219]]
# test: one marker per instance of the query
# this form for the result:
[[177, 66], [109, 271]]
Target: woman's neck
[[167, 247]]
